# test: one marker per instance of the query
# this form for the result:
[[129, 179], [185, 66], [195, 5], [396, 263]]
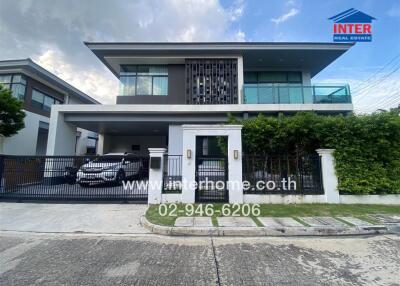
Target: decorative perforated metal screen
[[211, 81]]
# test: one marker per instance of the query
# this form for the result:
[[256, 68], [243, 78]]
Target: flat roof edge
[[215, 45]]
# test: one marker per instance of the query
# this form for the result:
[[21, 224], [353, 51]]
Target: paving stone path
[[236, 222], [323, 221], [193, 221], [272, 222], [279, 222]]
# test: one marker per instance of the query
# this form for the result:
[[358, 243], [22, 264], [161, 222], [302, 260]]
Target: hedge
[[367, 147]]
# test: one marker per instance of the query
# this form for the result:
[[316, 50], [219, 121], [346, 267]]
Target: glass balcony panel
[[251, 94], [266, 94], [295, 94], [283, 93]]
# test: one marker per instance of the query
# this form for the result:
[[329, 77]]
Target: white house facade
[[170, 124], [165, 85]]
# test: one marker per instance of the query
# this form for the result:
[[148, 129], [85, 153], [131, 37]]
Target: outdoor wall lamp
[[235, 154], [189, 153]]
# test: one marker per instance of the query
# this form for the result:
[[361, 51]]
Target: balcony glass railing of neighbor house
[[295, 94]]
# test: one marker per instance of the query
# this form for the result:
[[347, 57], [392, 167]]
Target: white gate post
[[235, 165], [156, 175], [188, 164], [329, 178]]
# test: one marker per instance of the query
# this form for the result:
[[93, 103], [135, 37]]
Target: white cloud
[[90, 80], [52, 32], [290, 3], [236, 10], [283, 18], [240, 36]]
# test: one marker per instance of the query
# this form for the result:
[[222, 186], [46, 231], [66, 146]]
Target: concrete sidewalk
[[72, 218]]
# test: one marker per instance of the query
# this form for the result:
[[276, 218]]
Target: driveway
[[69, 218], [67, 259]]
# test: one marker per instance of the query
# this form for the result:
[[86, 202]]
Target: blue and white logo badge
[[352, 26]]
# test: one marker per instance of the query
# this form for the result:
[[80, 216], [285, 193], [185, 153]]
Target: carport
[[126, 128]]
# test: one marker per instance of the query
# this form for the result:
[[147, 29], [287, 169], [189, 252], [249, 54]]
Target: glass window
[[43, 101], [143, 85], [294, 77], [272, 77], [160, 85], [143, 70], [266, 77], [15, 82], [158, 70], [48, 102], [128, 85], [5, 78], [37, 98], [16, 78], [18, 90], [143, 80], [250, 77]]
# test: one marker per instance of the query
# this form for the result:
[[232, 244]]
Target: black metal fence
[[282, 175], [108, 178], [172, 177]]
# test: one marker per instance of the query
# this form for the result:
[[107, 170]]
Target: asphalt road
[[73, 259]]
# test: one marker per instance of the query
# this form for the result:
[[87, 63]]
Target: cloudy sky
[[51, 32]]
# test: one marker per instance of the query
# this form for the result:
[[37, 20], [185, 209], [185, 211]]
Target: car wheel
[[120, 177]]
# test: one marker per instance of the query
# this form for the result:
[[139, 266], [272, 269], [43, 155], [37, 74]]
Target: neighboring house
[[40, 90], [165, 85]]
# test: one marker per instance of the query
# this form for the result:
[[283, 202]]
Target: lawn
[[294, 210]]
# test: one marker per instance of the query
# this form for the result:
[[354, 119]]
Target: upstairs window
[[15, 82], [42, 100], [143, 80], [273, 77]]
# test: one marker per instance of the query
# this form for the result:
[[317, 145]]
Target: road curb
[[262, 231]]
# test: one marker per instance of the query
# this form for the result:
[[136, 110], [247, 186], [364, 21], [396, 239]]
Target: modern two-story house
[[40, 90], [166, 85]]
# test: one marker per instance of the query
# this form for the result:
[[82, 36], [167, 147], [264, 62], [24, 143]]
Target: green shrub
[[367, 146]]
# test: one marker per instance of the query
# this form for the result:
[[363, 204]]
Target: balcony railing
[[295, 94]]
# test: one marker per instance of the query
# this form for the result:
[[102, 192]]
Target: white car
[[112, 167]]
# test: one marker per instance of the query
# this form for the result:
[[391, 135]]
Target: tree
[[11, 113]]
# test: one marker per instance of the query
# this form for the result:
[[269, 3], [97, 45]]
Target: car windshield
[[108, 159]]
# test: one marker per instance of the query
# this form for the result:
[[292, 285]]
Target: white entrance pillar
[[235, 166], [61, 142], [329, 178], [156, 175], [234, 134], [62, 135], [188, 164]]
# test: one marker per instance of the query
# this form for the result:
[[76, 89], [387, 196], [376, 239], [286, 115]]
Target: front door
[[211, 169]]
